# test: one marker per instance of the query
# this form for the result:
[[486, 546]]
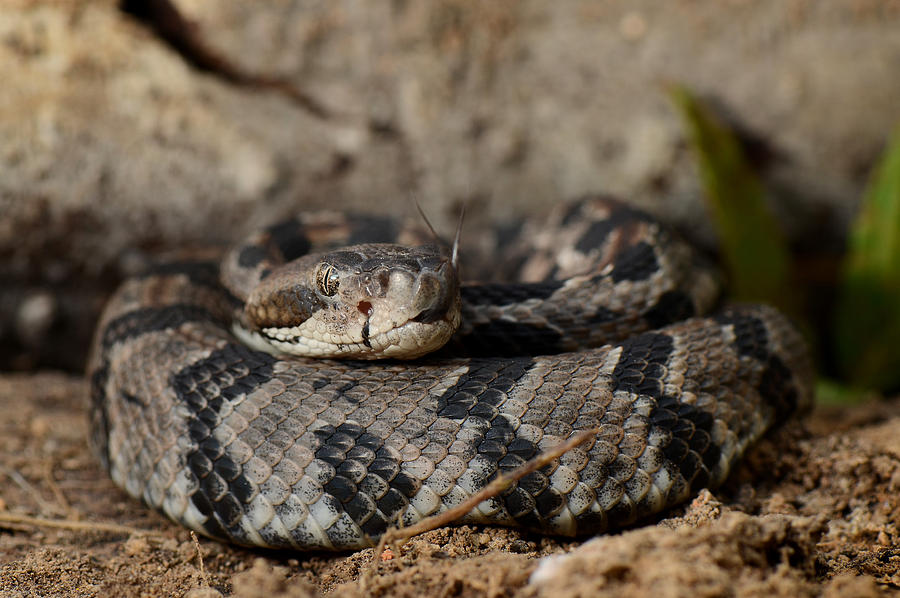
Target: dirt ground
[[814, 510]]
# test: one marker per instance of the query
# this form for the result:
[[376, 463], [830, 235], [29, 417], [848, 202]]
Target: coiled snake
[[252, 447]]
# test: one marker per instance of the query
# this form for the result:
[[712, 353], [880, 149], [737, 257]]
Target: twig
[[203, 574], [55, 489], [395, 536], [22, 483], [78, 526]]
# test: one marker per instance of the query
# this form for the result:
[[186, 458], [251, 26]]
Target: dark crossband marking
[[251, 256], [603, 315], [640, 370], [635, 262], [204, 387], [776, 386], [672, 306], [502, 337], [99, 412], [641, 365], [128, 326], [371, 229], [359, 461], [288, 237], [503, 294], [595, 236], [600, 230], [151, 319], [478, 394], [203, 272], [689, 445], [752, 340]]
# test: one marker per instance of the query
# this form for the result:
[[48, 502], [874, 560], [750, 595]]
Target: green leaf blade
[[867, 319], [753, 247]]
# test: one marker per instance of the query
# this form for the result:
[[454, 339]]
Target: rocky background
[[115, 143]]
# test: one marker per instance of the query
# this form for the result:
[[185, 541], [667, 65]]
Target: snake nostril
[[364, 308]]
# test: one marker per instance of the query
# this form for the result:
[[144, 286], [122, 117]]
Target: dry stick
[[22, 483], [55, 489], [79, 526], [503, 481], [203, 574]]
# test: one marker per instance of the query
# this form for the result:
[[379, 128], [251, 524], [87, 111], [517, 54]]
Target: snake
[[288, 392]]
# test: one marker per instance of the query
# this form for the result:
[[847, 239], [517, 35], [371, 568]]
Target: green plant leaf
[[833, 392], [752, 243], [867, 319]]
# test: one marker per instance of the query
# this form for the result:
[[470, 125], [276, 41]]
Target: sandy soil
[[814, 510]]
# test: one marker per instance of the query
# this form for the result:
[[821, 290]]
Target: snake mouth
[[365, 308], [431, 314], [365, 334]]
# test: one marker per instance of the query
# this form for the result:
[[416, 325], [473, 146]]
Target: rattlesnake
[[257, 448]]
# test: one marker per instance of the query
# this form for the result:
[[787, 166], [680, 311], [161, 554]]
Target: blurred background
[[132, 127]]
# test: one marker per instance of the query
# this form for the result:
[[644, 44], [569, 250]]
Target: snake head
[[363, 302]]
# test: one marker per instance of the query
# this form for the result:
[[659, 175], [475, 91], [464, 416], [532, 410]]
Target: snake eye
[[327, 279]]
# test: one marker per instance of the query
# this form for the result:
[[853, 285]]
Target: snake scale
[[614, 325]]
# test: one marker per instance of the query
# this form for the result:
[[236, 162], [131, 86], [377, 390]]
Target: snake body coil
[[257, 449]]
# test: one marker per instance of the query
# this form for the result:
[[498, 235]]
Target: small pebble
[[633, 26], [520, 546], [39, 427], [35, 315], [136, 545]]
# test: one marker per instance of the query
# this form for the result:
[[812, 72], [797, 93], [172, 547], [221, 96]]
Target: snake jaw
[[382, 301]]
